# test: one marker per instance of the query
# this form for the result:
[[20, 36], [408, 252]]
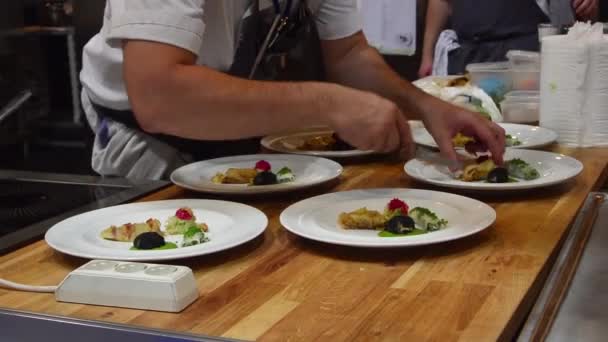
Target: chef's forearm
[[170, 95], [438, 12], [361, 67], [205, 104]]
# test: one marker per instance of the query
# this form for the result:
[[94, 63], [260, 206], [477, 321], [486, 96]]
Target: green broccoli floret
[[426, 219], [193, 236], [520, 169], [512, 141], [285, 175]]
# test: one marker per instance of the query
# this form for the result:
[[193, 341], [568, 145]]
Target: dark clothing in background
[[488, 29]]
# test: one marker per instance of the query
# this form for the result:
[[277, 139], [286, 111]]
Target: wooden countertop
[[282, 287]]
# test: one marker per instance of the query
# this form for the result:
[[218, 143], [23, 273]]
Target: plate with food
[[161, 230], [314, 141], [459, 91], [387, 217], [522, 169], [518, 136], [256, 174]]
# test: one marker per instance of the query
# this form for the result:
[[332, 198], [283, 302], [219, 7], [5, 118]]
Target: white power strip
[[130, 285]]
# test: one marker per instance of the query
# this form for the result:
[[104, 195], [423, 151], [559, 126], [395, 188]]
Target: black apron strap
[[199, 150]]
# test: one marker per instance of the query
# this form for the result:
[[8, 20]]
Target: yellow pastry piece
[[318, 143], [362, 219], [235, 176], [458, 82], [218, 178], [476, 172], [129, 231]]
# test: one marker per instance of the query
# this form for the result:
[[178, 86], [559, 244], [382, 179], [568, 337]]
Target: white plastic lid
[[522, 96], [523, 56], [492, 66]]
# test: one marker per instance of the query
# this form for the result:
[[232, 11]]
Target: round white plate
[[230, 224], [309, 171], [316, 218], [287, 142], [553, 168], [530, 136]]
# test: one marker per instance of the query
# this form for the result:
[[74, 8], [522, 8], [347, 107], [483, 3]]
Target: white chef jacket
[[207, 28]]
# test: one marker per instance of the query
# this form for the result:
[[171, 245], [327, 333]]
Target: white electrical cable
[[28, 288]]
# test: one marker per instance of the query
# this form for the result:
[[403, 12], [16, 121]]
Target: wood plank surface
[[280, 287]]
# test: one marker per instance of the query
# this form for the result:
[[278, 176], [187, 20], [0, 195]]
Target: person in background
[[169, 82], [486, 30]]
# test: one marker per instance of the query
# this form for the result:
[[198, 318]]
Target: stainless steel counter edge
[[551, 284], [48, 177], [25, 326]]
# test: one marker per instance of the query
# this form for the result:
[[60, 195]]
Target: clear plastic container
[[525, 69], [545, 30], [523, 79], [521, 107], [493, 78], [519, 59]]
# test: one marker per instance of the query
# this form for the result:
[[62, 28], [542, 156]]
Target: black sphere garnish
[[498, 175], [400, 225], [149, 240], [265, 178]]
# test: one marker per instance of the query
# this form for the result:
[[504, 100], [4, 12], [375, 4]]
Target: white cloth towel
[[448, 41]]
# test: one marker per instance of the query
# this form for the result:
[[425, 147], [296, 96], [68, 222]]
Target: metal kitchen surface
[[573, 304], [31, 202], [21, 326]]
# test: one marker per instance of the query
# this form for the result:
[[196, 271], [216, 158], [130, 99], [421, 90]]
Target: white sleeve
[[338, 19], [175, 22]]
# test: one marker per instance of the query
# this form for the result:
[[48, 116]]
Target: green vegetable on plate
[[520, 169], [426, 219], [194, 236], [285, 175]]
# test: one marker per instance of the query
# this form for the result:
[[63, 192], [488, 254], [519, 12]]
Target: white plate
[[230, 224], [553, 168], [316, 218], [287, 142], [530, 136], [309, 171]]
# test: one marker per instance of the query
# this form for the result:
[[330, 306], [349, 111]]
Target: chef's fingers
[[443, 137], [406, 146], [584, 7], [490, 137], [390, 141], [501, 135], [475, 147]]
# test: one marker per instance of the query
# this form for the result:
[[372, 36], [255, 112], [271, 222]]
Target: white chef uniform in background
[[390, 25]]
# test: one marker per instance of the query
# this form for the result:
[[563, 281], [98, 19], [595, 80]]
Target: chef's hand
[[444, 121], [586, 9], [426, 67], [370, 122]]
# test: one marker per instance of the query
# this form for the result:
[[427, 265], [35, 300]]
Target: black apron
[[488, 29], [292, 52]]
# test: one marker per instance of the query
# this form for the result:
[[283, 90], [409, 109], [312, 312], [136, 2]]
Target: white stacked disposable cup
[[574, 90], [596, 105]]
